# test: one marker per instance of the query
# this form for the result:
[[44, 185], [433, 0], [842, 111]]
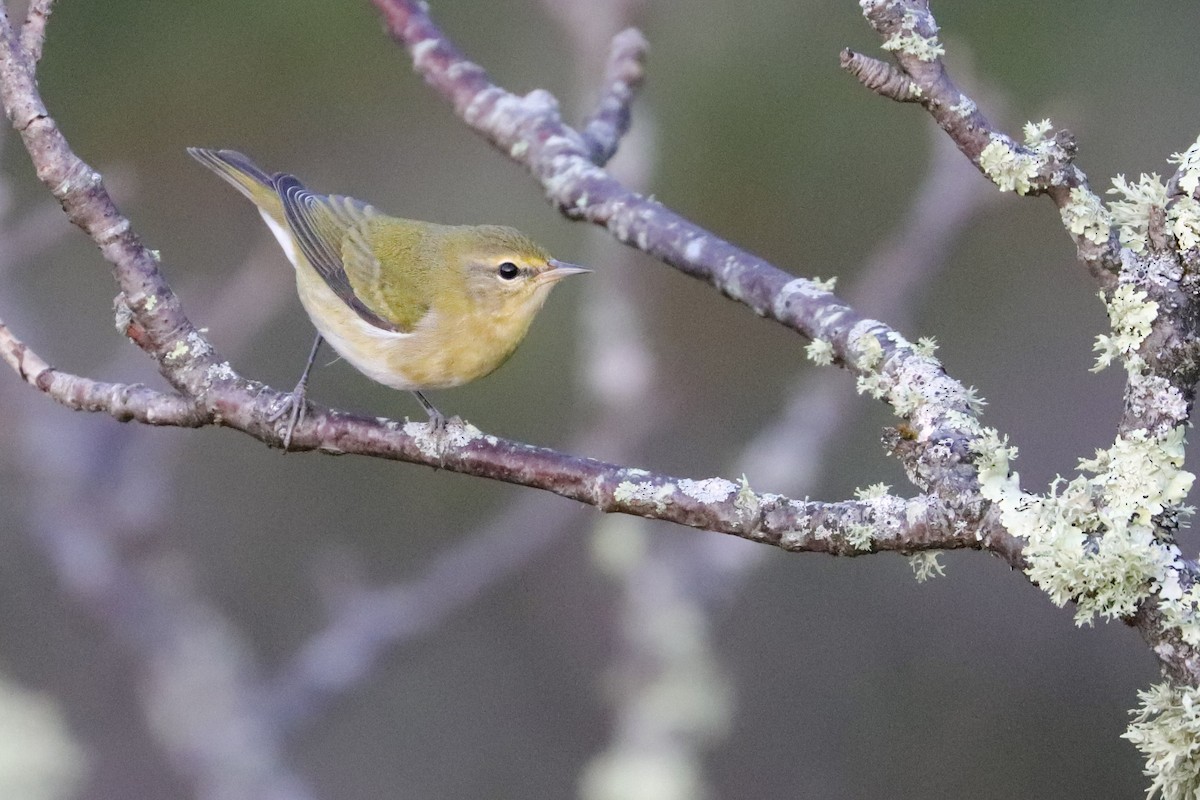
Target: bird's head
[[507, 274]]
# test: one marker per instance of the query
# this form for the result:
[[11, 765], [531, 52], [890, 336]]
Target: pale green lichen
[[926, 566], [820, 352], [973, 400], [905, 401], [1132, 214], [963, 422], [179, 351], [1131, 316], [221, 372], [1183, 219], [1011, 169], [825, 285], [1036, 132], [644, 493], [859, 537], [875, 490], [1140, 476], [1094, 540], [1180, 607], [875, 384], [432, 442], [925, 48], [926, 346], [709, 490], [1097, 540], [1189, 168], [909, 41], [993, 457], [748, 504], [1086, 216], [870, 351], [197, 345], [1166, 730]]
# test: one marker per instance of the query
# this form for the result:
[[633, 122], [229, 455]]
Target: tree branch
[[157, 323], [123, 402], [530, 130], [920, 76], [33, 33]]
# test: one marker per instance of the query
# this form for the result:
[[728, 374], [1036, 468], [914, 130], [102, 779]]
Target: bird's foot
[[437, 420], [294, 406]]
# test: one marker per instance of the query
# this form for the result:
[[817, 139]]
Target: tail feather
[[244, 175]]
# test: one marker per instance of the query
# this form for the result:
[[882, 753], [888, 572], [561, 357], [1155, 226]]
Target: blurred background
[[192, 614]]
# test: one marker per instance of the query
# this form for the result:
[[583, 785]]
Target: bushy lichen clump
[[1086, 216], [1013, 168], [1099, 540], [1130, 315], [1166, 729], [1096, 539], [926, 566], [1132, 213], [1181, 214]]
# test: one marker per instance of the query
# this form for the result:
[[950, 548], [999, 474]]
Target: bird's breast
[[442, 350]]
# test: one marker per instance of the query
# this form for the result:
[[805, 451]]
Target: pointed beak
[[559, 270]]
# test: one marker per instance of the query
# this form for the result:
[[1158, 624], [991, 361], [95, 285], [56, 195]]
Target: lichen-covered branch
[[1105, 540], [153, 318], [1039, 165], [530, 130]]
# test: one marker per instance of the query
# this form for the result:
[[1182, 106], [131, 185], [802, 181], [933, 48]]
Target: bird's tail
[[242, 174]]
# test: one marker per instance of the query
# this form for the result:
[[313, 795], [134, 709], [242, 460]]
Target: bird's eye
[[508, 270]]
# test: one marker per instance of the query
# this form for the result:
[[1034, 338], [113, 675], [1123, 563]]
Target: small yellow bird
[[412, 305]]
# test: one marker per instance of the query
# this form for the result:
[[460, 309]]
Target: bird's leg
[[437, 420], [297, 401]]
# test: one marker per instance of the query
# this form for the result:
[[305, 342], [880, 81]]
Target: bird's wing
[[403, 291], [328, 231]]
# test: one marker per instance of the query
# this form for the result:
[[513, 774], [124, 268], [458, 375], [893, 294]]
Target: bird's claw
[[437, 422], [295, 405]]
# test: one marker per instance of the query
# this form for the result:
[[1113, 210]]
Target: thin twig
[[124, 402], [908, 29]]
